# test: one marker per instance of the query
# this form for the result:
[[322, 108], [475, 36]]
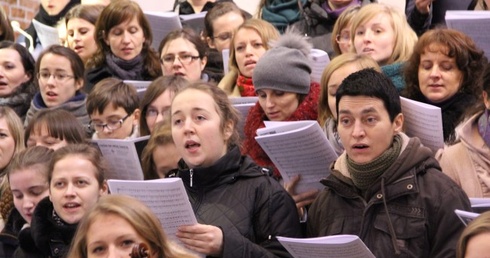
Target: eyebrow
[[364, 111], [192, 110]]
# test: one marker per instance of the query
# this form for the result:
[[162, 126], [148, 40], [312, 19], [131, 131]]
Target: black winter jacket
[[250, 207], [412, 204], [47, 236]]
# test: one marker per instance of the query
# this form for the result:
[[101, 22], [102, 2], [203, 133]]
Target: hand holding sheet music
[[298, 147]]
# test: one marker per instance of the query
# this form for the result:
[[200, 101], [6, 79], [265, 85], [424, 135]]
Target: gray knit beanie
[[285, 66]]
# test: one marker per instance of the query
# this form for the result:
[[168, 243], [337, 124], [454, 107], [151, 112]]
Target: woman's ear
[[204, 61], [104, 190], [228, 131]]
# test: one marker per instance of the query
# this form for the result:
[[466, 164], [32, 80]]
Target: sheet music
[[319, 60], [298, 147], [225, 54], [167, 199], [474, 24], [47, 35], [122, 158], [466, 216], [338, 246], [243, 105], [161, 24], [140, 86], [423, 121]]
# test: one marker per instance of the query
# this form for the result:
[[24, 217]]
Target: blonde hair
[[362, 62], [405, 37], [16, 129], [478, 226], [266, 31], [138, 215]]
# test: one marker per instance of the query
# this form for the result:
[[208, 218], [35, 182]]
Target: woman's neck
[[197, 5]]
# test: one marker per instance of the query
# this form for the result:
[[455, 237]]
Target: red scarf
[[307, 110], [245, 86]]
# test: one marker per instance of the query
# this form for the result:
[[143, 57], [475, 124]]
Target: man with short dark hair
[[386, 187]]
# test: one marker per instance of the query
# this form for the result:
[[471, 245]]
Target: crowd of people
[[397, 195]]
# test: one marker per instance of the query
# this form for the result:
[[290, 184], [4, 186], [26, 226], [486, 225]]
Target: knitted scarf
[[307, 110], [43, 17], [126, 69], [245, 86], [20, 99], [484, 126], [364, 175], [281, 13], [337, 12], [453, 111], [75, 105]]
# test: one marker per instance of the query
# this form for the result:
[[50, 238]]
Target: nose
[[28, 204], [248, 50], [435, 72], [177, 62], [188, 127], [106, 130], [159, 117], [114, 252], [358, 130], [367, 36], [70, 190], [76, 36], [51, 80], [269, 102], [126, 37]]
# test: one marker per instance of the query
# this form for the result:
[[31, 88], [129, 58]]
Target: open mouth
[[51, 94], [179, 74], [3, 84], [71, 205], [250, 62], [360, 146], [191, 144]]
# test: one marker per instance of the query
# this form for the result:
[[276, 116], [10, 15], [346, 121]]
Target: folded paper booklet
[[47, 35], [195, 21], [338, 246], [298, 148], [123, 157], [472, 23], [140, 86], [423, 121], [319, 60], [166, 197], [466, 216], [161, 24], [480, 205], [243, 105]]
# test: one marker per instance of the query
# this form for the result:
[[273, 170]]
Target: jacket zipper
[[191, 174]]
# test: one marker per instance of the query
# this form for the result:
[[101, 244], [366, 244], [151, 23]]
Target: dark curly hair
[[468, 57]]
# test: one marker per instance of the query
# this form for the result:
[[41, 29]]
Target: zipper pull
[[192, 173]]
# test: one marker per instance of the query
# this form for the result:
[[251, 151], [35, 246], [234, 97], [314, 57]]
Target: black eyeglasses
[[111, 125], [185, 59]]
